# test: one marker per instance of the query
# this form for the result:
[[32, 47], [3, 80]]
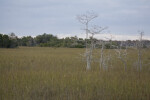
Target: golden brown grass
[[60, 74]]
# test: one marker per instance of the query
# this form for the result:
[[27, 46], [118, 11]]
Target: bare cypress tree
[[101, 54], [122, 54], [139, 48], [105, 60], [93, 31], [85, 19]]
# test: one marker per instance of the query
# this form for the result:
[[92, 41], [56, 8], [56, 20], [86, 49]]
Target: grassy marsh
[[35, 73]]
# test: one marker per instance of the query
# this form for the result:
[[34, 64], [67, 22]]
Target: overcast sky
[[58, 17]]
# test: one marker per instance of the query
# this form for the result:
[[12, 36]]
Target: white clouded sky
[[34, 17]]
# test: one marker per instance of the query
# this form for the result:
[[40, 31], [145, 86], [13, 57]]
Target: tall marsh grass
[[34, 73]]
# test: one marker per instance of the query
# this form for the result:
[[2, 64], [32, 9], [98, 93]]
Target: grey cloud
[[55, 16]]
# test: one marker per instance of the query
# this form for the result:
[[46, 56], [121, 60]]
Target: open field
[[34, 73]]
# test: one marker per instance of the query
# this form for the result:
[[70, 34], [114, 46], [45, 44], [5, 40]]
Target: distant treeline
[[49, 40], [44, 40]]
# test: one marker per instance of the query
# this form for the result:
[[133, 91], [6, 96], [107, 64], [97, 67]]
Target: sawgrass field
[[42, 73]]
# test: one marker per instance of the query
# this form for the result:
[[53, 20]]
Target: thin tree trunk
[[88, 59], [88, 63], [101, 58], [139, 60]]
